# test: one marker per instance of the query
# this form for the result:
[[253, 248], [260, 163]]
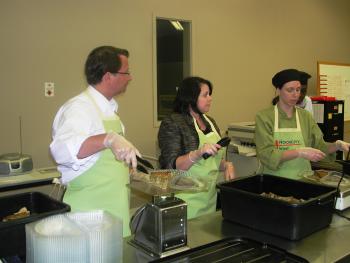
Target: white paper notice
[[318, 110]]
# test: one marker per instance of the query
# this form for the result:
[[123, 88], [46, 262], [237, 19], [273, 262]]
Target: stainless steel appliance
[[160, 227], [241, 151], [242, 138]]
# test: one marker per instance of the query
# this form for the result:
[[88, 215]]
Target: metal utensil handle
[[144, 162], [222, 142]]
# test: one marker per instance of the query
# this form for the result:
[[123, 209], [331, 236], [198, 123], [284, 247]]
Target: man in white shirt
[[304, 101], [88, 144]]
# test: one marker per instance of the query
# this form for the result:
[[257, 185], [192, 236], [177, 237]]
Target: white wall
[[237, 44]]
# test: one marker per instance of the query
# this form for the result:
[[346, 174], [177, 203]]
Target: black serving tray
[[234, 250], [12, 233], [346, 166]]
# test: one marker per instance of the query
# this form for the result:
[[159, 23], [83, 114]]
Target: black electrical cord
[[338, 194], [341, 214], [336, 198]]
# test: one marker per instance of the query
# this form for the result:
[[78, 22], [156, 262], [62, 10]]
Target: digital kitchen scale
[[159, 228]]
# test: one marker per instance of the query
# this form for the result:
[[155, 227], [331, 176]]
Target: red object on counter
[[322, 98]]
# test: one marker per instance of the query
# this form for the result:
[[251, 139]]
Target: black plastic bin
[[12, 233], [242, 203]]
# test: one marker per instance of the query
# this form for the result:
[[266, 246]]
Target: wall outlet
[[49, 89]]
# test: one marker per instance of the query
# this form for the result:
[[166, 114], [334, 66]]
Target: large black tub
[[242, 203], [12, 233]]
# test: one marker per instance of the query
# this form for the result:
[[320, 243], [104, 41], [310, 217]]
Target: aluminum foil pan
[[325, 177], [167, 181]]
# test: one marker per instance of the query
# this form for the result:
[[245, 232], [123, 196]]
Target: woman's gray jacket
[[177, 136]]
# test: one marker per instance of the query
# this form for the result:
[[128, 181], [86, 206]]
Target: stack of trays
[[84, 237]]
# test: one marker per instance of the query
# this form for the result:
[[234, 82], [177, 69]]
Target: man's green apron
[[103, 186], [289, 139], [204, 202]]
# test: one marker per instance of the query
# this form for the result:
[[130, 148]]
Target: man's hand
[[122, 149]]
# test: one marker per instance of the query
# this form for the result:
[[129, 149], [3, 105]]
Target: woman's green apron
[[204, 202], [103, 186], [289, 139]]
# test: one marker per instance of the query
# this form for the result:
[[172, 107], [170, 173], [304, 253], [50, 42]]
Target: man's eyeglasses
[[122, 73]]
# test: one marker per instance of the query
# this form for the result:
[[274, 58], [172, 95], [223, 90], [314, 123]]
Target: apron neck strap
[[98, 109], [276, 126], [210, 123]]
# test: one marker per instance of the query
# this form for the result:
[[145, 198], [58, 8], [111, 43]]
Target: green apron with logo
[[204, 202], [103, 186], [289, 139]]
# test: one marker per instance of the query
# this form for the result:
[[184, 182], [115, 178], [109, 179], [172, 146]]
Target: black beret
[[285, 76], [304, 77]]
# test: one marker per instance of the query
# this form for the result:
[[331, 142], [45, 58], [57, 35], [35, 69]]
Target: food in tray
[[333, 179], [289, 199], [186, 183], [321, 173], [326, 177], [160, 178], [21, 213], [139, 176], [316, 175]]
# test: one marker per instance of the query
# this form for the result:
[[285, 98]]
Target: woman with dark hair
[[186, 135]]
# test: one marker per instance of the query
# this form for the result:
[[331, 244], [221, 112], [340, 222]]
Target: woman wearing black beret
[[287, 137]]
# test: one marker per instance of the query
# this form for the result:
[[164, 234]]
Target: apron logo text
[[285, 144]]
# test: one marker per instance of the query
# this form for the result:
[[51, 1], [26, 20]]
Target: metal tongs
[[143, 165]]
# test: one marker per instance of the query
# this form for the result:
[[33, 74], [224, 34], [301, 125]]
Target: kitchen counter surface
[[37, 180], [326, 245], [32, 177]]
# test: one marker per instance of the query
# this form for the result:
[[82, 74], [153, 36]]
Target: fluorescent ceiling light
[[177, 25]]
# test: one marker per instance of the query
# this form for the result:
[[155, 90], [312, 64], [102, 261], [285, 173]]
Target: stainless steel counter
[[324, 246]]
